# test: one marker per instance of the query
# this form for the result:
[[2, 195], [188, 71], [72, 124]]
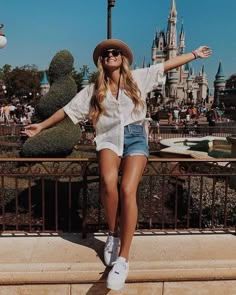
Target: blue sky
[[36, 30]]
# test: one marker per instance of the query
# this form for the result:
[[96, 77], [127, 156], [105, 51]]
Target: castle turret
[[219, 84], [158, 48], [203, 85], [189, 83], [144, 62], [85, 77], [44, 84], [154, 50], [172, 83]]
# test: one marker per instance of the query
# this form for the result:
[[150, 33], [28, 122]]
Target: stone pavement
[[160, 264]]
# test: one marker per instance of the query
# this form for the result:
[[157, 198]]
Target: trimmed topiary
[[59, 140], [62, 89]]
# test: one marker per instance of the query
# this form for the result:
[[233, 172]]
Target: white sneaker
[[111, 250], [118, 274]]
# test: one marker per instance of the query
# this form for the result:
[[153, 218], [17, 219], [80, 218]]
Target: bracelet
[[194, 52]]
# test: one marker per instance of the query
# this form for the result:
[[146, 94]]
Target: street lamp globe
[[3, 39]]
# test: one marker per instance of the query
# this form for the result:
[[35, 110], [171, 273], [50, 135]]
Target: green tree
[[4, 71], [22, 81]]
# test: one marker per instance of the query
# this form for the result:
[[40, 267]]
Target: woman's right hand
[[32, 130]]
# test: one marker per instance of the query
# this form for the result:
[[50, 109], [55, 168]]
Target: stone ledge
[[139, 272], [68, 259]]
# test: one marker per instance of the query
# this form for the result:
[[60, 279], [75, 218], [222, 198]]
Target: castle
[[182, 85], [224, 89]]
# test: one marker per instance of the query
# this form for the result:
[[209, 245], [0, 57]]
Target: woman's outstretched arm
[[33, 129], [201, 52]]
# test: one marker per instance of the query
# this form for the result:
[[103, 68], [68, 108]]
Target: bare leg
[[132, 170], [109, 166]]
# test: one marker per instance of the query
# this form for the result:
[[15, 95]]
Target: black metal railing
[[221, 130], [62, 195], [164, 132], [10, 129]]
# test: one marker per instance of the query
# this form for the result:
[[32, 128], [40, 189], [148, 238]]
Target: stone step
[[70, 263]]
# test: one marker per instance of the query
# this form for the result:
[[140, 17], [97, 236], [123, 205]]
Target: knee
[[109, 182], [127, 192]]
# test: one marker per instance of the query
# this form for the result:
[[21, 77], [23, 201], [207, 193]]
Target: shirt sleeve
[[149, 78], [78, 108]]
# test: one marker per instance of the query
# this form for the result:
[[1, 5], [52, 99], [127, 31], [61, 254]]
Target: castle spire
[[182, 38], [173, 11], [44, 79], [144, 62], [172, 39], [219, 84], [44, 84], [203, 72], [85, 77], [220, 74]]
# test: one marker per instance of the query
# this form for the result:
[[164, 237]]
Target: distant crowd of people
[[185, 118], [16, 113]]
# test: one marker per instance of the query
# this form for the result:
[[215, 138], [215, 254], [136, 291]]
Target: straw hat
[[112, 44]]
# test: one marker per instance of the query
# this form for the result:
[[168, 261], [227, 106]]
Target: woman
[[116, 106]]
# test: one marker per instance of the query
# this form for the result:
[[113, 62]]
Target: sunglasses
[[114, 52]]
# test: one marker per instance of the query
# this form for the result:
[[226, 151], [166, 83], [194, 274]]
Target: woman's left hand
[[203, 51]]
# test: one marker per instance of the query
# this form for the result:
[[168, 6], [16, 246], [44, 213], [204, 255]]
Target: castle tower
[[219, 84], [171, 91], [154, 51], [203, 86], [44, 84], [159, 48], [85, 77], [171, 48], [189, 83], [182, 71], [144, 62]]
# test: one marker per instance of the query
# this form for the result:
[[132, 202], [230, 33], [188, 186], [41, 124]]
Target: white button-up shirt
[[118, 112]]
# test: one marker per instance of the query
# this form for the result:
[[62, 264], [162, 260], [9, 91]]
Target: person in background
[[116, 105], [170, 117], [153, 125], [148, 128], [6, 112], [176, 115]]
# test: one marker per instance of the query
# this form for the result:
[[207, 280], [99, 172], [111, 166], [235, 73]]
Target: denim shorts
[[135, 141]]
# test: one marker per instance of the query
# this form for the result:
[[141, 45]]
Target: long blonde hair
[[101, 87]]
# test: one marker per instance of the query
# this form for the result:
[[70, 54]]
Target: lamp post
[[4, 87], [3, 39], [110, 4]]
